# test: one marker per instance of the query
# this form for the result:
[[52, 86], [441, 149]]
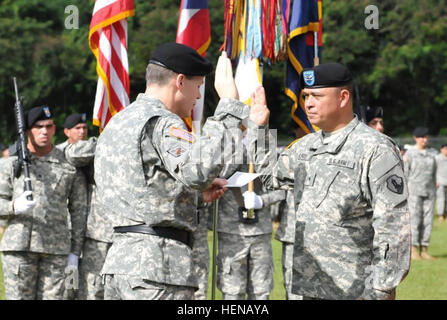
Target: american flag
[[194, 31], [108, 41]]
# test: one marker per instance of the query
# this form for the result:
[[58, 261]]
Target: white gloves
[[23, 205], [73, 260], [252, 200]]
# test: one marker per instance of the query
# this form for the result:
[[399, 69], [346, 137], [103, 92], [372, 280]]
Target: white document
[[240, 179]]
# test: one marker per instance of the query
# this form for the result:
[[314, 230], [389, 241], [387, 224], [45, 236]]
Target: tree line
[[400, 66]]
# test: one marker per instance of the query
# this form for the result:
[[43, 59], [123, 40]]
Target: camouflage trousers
[[33, 276], [201, 258], [93, 257], [421, 211], [441, 200], [245, 266], [123, 287], [287, 269]]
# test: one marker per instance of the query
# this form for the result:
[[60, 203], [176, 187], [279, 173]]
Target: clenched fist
[[215, 190]]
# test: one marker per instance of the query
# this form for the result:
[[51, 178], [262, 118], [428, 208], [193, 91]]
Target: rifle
[[22, 150]]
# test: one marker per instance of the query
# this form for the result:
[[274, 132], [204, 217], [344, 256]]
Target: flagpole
[[316, 59], [214, 264], [250, 212]]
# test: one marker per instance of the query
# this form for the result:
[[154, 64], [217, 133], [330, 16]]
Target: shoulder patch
[[176, 151], [395, 184], [182, 134]]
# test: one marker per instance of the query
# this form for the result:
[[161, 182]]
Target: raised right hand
[[224, 81]]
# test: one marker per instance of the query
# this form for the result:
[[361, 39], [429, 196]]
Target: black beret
[[420, 132], [74, 119], [373, 112], [37, 114], [181, 59], [443, 145], [325, 75]]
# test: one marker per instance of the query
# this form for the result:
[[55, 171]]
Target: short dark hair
[[350, 88]]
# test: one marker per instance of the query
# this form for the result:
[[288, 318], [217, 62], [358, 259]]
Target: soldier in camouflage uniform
[[98, 237], [37, 243], [374, 118], [150, 173], [201, 253], [420, 169], [245, 259], [3, 155], [342, 250], [75, 128], [441, 183]]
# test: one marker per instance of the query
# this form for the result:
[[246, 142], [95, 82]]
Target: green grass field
[[426, 280]]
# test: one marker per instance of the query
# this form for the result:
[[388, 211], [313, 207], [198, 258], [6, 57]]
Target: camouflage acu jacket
[[150, 169], [342, 250], [56, 184], [82, 154], [420, 169]]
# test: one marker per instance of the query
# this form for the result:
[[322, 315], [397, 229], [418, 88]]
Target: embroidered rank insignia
[[176, 151], [182, 134], [395, 184]]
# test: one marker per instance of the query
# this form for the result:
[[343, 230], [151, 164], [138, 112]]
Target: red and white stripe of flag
[[108, 41]]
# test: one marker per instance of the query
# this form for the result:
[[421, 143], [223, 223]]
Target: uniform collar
[[151, 99], [52, 156], [335, 145]]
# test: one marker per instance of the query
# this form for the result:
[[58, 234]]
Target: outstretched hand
[[224, 81], [259, 113], [215, 190]]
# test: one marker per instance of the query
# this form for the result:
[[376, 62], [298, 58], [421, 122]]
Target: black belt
[[164, 232]]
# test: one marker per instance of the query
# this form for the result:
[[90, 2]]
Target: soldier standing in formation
[[37, 243], [245, 259], [420, 169], [441, 183], [98, 236], [150, 173], [374, 118], [342, 250], [75, 128]]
